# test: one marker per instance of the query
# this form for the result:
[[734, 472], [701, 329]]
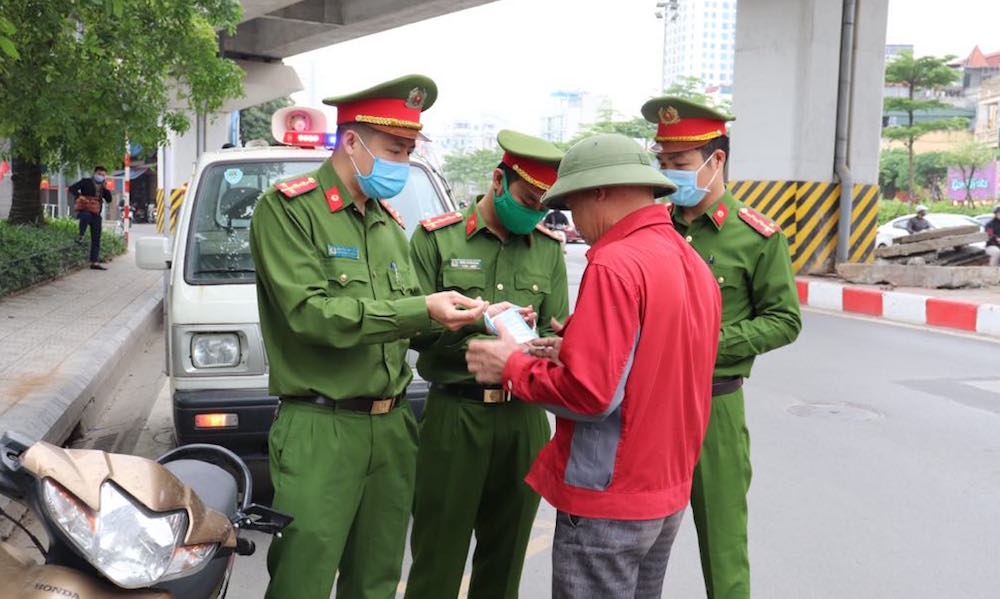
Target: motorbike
[[122, 526]]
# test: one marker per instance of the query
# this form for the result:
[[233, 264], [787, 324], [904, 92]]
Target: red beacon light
[[301, 126]]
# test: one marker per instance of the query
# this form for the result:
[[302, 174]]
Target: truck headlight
[[215, 350], [131, 546]]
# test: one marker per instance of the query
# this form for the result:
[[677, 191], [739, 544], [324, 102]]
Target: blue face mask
[[387, 178], [98, 178], [688, 193]]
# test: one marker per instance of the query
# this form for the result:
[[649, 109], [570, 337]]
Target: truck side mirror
[[153, 253]]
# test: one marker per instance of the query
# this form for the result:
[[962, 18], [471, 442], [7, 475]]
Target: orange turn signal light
[[216, 421]]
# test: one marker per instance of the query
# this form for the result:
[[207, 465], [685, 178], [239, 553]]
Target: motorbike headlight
[[215, 350], [130, 545]]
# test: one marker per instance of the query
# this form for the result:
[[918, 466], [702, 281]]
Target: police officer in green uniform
[[477, 443], [338, 302], [760, 311]]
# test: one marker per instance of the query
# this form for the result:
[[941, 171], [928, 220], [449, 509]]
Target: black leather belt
[[483, 394], [353, 404], [726, 386]]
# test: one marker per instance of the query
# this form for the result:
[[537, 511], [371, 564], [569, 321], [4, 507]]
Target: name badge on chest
[[467, 263], [342, 251]]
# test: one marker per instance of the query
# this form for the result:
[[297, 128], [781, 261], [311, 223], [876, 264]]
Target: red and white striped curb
[[911, 308]]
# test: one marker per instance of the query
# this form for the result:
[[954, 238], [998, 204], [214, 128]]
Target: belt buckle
[[382, 406], [496, 396]]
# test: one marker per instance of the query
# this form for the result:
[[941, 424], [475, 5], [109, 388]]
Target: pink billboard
[[984, 183]]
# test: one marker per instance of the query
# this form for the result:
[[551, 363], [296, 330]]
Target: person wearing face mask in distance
[[749, 257], [338, 302], [95, 189], [477, 442]]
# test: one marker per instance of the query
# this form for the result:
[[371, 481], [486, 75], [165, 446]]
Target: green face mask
[[516, 218]]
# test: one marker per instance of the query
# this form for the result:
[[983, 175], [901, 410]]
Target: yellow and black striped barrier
[[176, 201], [809, 214], [159, 210]]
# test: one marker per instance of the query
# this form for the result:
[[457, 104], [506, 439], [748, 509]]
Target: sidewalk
[[60, 341], [969, 310]]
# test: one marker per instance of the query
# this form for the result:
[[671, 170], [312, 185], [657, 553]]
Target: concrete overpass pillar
[[785, 99]]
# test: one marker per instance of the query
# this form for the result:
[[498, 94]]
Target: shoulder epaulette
[[392, 212], [296, 187], [442, 220], [758, 222], [548, 232]]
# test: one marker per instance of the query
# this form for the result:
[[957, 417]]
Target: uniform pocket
[[531, 288], [403, 280], [733, 285], [463, 281], [347, 275]]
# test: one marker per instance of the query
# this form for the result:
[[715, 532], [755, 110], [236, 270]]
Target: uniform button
[[689, 239], [499, 286], [722, 279], [343, 278], [534, 288]]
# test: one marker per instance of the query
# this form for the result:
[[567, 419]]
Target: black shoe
[[79, 241], [96, 266]]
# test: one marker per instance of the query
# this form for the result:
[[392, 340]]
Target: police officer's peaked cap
[[534, 159], [682, 124], [605, 161], [393, 107]]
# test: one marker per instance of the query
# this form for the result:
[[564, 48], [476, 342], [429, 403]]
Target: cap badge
[[416, 98], [669, 115]]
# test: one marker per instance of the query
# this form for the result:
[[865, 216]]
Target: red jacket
[[633, 395]]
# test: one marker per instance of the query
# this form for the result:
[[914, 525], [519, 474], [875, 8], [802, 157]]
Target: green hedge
[[890, 209], [30, 255]]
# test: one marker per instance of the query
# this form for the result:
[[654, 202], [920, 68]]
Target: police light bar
[[310, 139]]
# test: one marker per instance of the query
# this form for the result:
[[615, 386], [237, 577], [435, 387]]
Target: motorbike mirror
[[263, 519]]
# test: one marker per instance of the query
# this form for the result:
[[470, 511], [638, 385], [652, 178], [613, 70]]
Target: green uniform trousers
[[470, 477], [719, 500], [347, 479]]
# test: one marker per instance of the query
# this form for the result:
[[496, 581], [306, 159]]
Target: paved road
[[876, 452]]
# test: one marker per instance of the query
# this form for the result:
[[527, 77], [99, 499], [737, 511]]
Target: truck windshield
[[219, 241]]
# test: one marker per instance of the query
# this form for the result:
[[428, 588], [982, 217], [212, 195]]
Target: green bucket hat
[[604, 161]]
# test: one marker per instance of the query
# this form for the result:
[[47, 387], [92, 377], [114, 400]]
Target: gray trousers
[[613, 559], [994, 253]]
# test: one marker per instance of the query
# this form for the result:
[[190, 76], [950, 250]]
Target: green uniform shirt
[[760, 304], [466, 257], [337, 294]]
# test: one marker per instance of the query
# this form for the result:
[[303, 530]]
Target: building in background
[[987, 129], [468, 134], [566, 111], [699, 40], [893, 50]]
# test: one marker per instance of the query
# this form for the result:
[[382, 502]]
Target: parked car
[[572, 235], [896, 228], [215, 352], [983, 219]]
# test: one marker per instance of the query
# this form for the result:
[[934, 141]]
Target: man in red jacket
[[631, 385]]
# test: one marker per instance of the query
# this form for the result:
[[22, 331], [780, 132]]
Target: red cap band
[[691, 130], [390, 112], [536, 173]]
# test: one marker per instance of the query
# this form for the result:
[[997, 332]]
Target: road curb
[[52, 413], [911, 308]]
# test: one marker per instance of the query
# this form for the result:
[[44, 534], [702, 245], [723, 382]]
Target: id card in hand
[[515, 324]]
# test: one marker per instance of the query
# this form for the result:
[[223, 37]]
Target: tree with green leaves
[[968, 158], [84, 74], [610, 121], [693, 88], [255, 122], [926, 73], [468, 171]]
